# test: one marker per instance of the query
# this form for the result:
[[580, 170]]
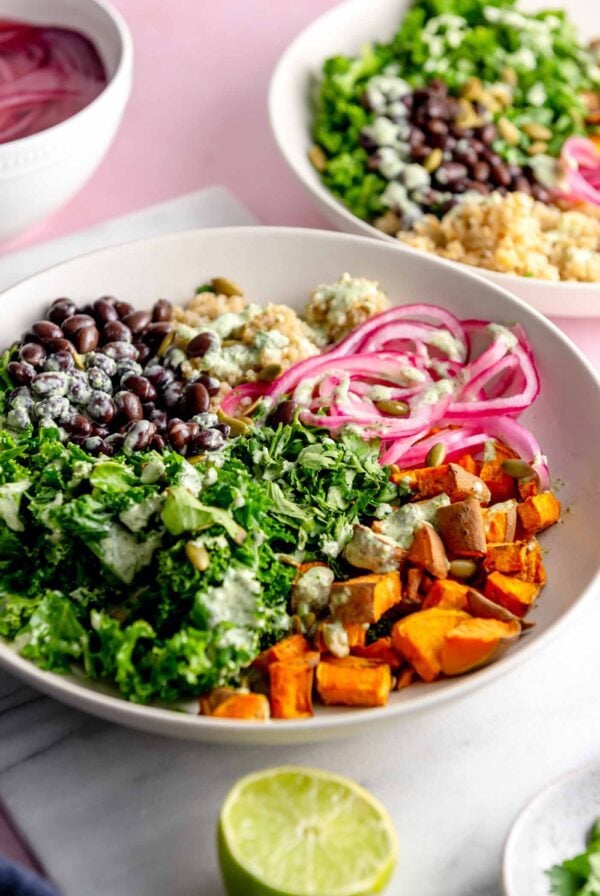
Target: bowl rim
[[182, 724], [315, 186], [59, 138]]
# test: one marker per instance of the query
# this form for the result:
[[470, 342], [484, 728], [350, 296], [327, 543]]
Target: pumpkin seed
[[472, 89], [197, 555], [537, 131], [165, 344], [518, 469], [317, 158], [509, 131], [395, 408], [537, 148], [269, 372], [240, 426], [433, 160], [77, 360], [196, 459], [389, 223], [225, 287], [463, 569], [436, 455]]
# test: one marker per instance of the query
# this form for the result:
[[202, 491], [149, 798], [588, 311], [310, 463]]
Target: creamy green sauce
[[401, 525], [10, 502]]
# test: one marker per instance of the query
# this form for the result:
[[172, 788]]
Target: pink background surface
[[198, 117]]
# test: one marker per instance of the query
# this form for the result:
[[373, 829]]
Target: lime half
[[293, 831]]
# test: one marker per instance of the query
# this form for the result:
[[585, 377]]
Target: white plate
[[284, 265], [551, 828], [345, 30]]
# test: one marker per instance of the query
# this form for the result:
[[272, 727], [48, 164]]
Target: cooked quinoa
[[337, 308], [514, 234]]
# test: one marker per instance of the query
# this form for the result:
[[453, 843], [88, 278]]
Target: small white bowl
[[552, 827], [345, 30], [40, 173], [288, 264]]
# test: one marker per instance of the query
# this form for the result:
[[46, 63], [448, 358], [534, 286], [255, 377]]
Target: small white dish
[[345, 29], [552, 827], [284, 265], [40, 173]]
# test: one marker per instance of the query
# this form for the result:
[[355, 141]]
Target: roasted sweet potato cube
[[365, 598], [419, 638], [522, 559], [427, 551], [380, 650], [452, 479], [448, 595], [209, 702], [474, 643], [502, 486], [368, 549], [248, 707], [538, 512], [500, 522], [461, 528], [514, 594], [528, 487], [414, 577], [353, 681], [290, 648], [406, 678], [291, 687], [468, 463]]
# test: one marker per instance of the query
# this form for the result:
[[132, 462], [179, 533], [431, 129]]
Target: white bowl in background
[[552, 827], [40, 173], [284, 265], [345, 30]]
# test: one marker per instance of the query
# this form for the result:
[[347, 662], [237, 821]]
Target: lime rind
[[295, 831]]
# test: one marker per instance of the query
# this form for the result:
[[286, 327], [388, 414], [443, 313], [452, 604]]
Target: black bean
[[104, 312], [78, 388], [141, 386], [201, 344], [98, 379], [144, 352], [32, 353], [162, 310], [159, 376], [59, 345], [211, 384], [60, 310], [283, 413], [99, 430], [179, 436], [450, 173], [44, 330], [138, 435], [439, 108], [128, 406], [137, 321], [116, 441], [92, 444], [174, 358], [223, 428], [367, 142], [21, 398], [420, 153], [416, 138], [157, 443], [21, 373], [467, 156], [197, 399], [207, 440], [540, 193], [154, 333], [123, 308], [477, 187], [159, 418], [481, 171], [55, 407], [86, 339], [116, 331], [101, 407], [59, 361], [98, 359], [75, 323], [521, 184], [50, 383], [487, 133], [78, 425], [120, 351], [127, 366], [106, 448], [437, 132], [172, 395], [500, 175]]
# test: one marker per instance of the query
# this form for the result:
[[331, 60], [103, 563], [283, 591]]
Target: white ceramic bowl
[[40, 173], [345, 30], [283, 265], [552, 827]]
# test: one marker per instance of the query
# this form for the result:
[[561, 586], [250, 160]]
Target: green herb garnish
[[579, 876]]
